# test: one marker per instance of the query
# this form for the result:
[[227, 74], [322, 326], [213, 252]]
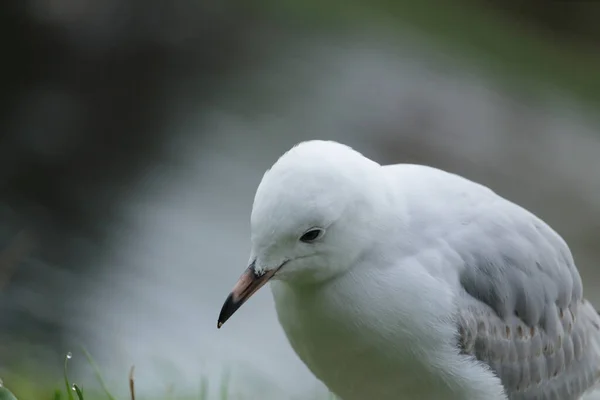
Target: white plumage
[[424, 285]]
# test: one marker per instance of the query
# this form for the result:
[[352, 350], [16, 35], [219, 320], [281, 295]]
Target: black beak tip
[[229, 307]]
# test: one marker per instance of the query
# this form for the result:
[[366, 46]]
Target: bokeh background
[[133, 134]]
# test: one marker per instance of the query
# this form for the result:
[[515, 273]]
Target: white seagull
[[408, 282]]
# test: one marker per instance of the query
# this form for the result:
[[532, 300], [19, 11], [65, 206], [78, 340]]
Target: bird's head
[[312, 218]]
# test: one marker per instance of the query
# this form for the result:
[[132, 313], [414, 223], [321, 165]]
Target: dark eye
[[311, 235]]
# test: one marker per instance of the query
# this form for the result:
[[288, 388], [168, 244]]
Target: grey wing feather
[[522, 311]]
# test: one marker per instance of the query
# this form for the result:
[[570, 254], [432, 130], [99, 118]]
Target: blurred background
[[133, 134]]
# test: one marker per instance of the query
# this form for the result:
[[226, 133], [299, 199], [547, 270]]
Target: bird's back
[[521, 309]]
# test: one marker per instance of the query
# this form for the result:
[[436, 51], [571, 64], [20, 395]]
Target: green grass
[[74, 391], [68, 390]]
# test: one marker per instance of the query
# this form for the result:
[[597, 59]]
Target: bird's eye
[[311, 235]]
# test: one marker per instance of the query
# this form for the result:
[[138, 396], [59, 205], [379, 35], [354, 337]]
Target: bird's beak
[[246, 286]]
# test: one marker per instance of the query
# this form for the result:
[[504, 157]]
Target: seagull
[[408, 282]]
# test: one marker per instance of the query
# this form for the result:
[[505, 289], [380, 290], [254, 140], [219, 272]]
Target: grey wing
[[531, 362], [521, 308]]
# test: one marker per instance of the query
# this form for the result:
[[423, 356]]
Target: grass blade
[[225, 385], [97, 373], [132, 382], [203, 388], [67, 384], [78, 391]]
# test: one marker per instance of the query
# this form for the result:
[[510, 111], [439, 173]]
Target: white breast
[[346, 346]]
